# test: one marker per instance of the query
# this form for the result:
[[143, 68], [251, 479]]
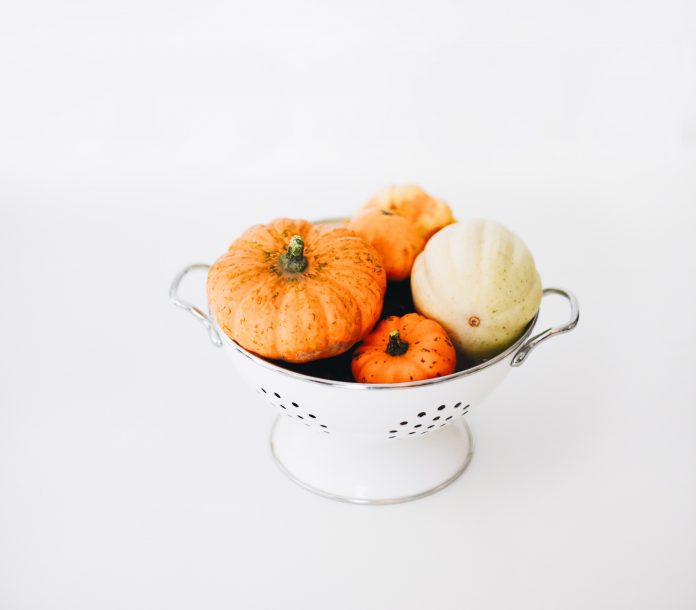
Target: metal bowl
[[372, 443]]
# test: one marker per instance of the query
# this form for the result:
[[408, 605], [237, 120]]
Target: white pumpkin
[[479, 281]]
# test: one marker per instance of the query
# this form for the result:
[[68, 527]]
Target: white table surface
[[136, 138]]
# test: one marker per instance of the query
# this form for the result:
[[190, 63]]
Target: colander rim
[[354, 385]]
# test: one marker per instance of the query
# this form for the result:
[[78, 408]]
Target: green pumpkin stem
[[294, 260], [396, 347]]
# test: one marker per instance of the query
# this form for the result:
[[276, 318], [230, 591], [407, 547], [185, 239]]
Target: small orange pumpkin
[[410, 348], [393, 236], [428, 213], [295, 291]]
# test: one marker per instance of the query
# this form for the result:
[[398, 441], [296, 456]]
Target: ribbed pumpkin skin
[[298, 317], [429, 214], [393, 236], [478, 280], [430, 353]]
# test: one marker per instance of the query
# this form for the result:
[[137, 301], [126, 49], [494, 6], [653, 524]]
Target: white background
[[137, 137]]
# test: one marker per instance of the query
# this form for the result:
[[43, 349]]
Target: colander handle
[[522, 353], [197, 313]]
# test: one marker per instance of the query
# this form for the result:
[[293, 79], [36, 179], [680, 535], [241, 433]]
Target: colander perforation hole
[[308, 419], [264, 390], [440, 419]]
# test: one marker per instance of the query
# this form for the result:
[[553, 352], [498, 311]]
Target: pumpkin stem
[[294, 259], [396, 347]]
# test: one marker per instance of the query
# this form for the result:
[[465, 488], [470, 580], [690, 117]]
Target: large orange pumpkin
[[394, 237], [428, 213], [295, 291], [410, 348]]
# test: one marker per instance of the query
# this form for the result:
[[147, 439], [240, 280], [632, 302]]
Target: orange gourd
[[295, 291], [409, 348], [428, 213], [393, 236]]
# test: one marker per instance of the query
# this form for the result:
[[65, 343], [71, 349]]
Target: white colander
[[371, 443]]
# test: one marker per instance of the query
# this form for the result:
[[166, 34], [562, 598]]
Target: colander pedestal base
[[351, 469]]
